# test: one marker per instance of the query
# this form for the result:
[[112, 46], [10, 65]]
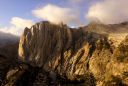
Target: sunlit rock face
[[75, 54], [58, 48], [116, 32], [44, 41]]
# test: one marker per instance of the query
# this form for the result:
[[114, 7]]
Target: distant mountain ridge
[[107, 28], [7, 39]]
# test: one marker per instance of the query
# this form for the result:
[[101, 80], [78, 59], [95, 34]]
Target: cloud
[[17, 26], [12, 30], [21, 23], [108, 11], [56, 14]]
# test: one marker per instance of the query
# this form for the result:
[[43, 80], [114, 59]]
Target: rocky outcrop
[[81, 55], [58, 48], [8, 57]]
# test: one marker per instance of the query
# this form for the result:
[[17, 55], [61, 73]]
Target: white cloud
[[12, 30], [17, 26], [109, 11], [21, 23], [56, 14]]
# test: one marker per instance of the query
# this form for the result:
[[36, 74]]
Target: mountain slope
[[106, 29], [52, 54], [6, 38], [75, 54]]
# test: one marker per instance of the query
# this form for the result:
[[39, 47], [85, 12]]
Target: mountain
[[52, 54], [107, 29], [8, 52], [9, 45], [116, 32], [6, 39]]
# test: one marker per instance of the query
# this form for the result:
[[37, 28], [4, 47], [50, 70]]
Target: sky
[[23, 8], [15, 15]]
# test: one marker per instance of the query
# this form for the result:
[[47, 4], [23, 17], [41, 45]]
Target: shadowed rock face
[[8, 57], [75, 54]]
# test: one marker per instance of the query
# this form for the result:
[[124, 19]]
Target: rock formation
[[49, 54], [76, 54], [8, 57]]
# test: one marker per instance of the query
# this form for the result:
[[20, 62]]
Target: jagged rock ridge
[[56, 54], [75, 54], [58, 48]]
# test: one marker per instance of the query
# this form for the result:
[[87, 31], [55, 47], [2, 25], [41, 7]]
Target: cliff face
[[75, 54]]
